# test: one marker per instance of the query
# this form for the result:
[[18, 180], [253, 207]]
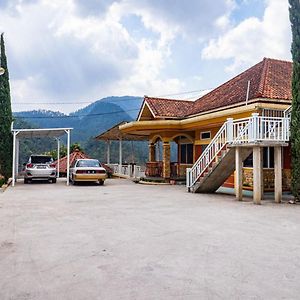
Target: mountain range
[[88, 121]]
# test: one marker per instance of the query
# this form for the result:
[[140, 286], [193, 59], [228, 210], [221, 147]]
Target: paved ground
[[128, 241]]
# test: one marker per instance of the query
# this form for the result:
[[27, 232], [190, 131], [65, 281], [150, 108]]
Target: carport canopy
[[55, 133]]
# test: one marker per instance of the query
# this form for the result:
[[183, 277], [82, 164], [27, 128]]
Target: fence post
[[255, 126], [229, 129], [188, 181]]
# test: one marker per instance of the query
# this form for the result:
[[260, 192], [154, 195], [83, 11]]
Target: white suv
[[40, 167]]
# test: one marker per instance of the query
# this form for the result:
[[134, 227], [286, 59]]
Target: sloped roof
[[114, 134], [77, 154], [169, 107], [269, 79]]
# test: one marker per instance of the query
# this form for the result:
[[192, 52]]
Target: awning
[[115, 134]]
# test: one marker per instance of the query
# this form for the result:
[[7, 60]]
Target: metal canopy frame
[[55, 133]]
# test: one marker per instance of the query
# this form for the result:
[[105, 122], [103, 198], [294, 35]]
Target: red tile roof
[[77, 154], [73, 156], [269, 79], [169, 107]]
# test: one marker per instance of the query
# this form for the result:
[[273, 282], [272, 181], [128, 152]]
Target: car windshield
[[88, 163], [41, 159]]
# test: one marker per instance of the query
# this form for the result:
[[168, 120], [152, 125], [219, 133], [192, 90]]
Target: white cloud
[[252, 39], [79, 50]]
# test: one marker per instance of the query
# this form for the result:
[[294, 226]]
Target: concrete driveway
[[128, 241]]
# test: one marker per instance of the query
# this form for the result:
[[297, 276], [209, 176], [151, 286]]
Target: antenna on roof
[[248, 90]]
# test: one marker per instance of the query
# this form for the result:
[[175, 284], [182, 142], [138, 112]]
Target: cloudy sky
[[72, 51]]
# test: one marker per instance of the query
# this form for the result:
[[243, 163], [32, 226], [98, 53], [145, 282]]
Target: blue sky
[[82, 50]]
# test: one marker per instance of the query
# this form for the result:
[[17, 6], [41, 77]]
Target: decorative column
[[151, 155], [278, 173], [238, 179], [166, 160], [257, 175]]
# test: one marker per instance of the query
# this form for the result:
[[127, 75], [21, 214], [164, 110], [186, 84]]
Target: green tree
[[5, 117], [295, 119]]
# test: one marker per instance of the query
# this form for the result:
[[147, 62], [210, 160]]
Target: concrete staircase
[[217, 161], [219, 170]]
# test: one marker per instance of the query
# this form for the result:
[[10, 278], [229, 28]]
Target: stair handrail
[[287, 112], [254, 130], [238, 138], [208, 155]]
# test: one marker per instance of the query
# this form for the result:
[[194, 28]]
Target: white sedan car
[[87, 170]]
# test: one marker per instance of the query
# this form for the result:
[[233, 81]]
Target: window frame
[[204, 132]]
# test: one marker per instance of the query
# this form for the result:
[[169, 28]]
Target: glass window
[[186, 153], [41, 159], [268, 158], [205, 135], [88, 163]]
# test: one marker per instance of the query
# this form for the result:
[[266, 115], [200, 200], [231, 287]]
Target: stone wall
[[268, 179]]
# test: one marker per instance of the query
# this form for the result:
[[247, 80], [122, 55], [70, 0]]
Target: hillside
[[127, 103], [88, 121]]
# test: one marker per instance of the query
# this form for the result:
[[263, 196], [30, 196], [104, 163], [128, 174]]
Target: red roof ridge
[[167, 99], [278, 60], [263, 76]]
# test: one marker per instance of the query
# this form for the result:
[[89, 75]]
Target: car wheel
[[25, 180], [101, 182], [53, 180]]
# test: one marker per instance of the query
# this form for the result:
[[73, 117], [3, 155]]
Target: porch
[[170, 156]]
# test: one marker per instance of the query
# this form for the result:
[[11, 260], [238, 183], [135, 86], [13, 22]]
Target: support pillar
[[238, 179], [14, 159], [151, 155], [108, 152], [257, 175], [17, 157], [68, 156], [166, 160], [278, 173], [58, 157], [120, 156]]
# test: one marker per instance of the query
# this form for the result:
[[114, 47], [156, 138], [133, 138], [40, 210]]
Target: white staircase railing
[[241, 131], [208, 155]]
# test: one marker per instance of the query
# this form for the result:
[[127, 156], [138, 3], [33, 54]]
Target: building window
[[268, 159], [186, 153], [205, 135]]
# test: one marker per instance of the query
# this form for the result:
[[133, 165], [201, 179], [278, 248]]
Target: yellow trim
[[89, 177], [213, 119]]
